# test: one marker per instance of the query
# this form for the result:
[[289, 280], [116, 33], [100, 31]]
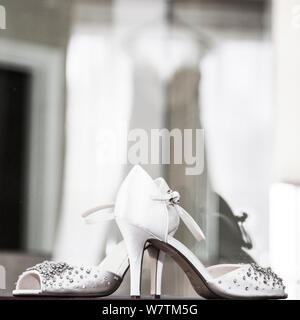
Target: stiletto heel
[[135, 240], [157, 258]]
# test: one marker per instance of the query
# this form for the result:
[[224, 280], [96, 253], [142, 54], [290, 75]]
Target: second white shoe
[[143, 215]]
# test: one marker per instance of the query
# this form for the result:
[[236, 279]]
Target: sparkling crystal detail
[[174, 197], [50, 269], [267, 274]]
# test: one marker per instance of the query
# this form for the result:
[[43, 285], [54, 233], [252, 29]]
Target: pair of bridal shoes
[[148, 214]]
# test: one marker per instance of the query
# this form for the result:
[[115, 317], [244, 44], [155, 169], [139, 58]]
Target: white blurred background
[[72, 71]]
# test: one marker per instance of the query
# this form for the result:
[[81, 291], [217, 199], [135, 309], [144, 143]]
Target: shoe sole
[[198, 282]]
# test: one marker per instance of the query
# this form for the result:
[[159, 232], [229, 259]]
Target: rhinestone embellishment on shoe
[[253, 280], [269, 276], [174, 197], [49, 269], [60, 277]]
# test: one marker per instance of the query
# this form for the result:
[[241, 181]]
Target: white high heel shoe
[[142, 213], [61, 279]]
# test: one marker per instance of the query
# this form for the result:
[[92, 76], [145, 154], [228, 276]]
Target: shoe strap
[[92, 215], [172, 198]]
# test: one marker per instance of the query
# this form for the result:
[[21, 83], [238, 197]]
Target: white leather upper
[[173, 218], [142, 202], [134, 204]]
